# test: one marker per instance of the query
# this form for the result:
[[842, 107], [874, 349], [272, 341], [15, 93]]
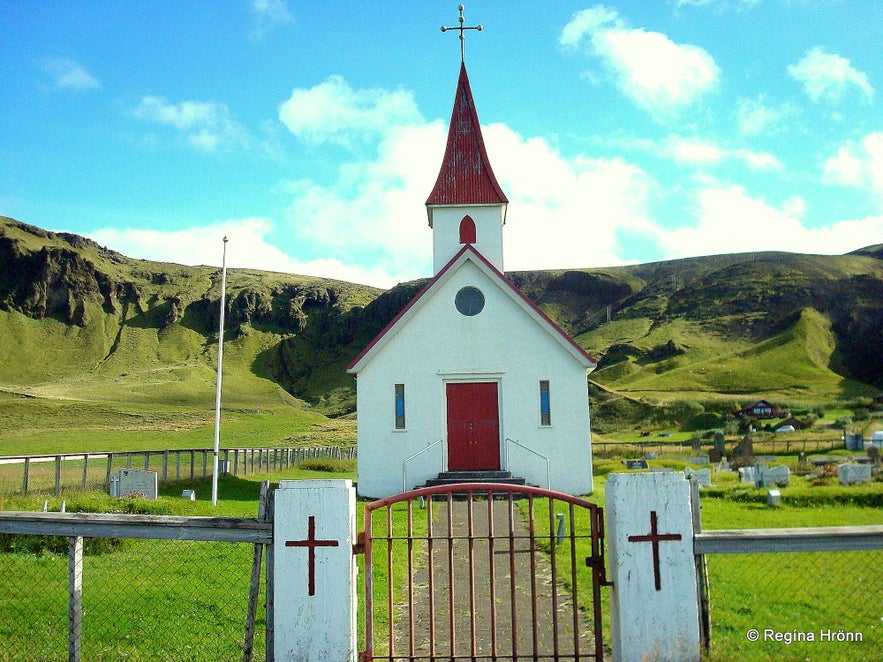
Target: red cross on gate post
[[311, 543], [655, 537]]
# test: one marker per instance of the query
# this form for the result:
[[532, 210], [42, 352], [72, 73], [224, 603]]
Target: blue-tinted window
[[400, 406], [545, 404]]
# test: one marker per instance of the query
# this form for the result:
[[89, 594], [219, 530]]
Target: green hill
[[82, 326]]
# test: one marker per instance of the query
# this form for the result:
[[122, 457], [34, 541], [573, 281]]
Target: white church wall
[[488, 233], [438, 345]]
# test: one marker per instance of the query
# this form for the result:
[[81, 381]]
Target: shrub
[[328, 464]]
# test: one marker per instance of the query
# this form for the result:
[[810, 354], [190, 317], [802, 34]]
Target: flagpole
[[220, 372]]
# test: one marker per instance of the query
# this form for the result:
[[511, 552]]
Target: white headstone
[[774, 498], [746, 475], [765, 476], [851, 473], [701, 476], [133, 481]]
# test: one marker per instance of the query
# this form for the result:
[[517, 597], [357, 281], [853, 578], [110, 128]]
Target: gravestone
[[874, 455], [699, 459], [715, 456], [636, 464], [723, 465], [766, 476], [774, 498], [133, 481], [720, 443], [853, 473], [853, 441], [651, 455], [696, 444], [746, 475], [700, 476], [743, 453]]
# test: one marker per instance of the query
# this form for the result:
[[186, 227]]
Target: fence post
[[653, 604], [109, 470], [24, 482], [75, 598], [57, 475], [85, 470], [313, 567], [165, 465]]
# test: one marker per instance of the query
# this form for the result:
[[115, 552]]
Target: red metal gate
[[479, 571]]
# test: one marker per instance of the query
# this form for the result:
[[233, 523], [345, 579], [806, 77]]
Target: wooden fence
[[80, 472]]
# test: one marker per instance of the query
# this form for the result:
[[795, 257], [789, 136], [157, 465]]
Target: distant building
[[762, 409], [471, 376]]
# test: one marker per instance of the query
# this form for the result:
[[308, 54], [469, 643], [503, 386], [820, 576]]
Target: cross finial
[[462, 28]]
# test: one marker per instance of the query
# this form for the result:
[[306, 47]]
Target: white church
[[471, 380]]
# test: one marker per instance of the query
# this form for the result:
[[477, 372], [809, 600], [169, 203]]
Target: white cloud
[[333, 111], [702, 152], [756, 118], [205, 124], [829, 77], [858, 165], [660, 76], [249, 246], [267, 15], [69, 74], [762, 227]]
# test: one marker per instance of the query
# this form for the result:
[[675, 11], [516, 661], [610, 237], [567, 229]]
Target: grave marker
[[636, 464], [133, 481], [765, 476], [701, 476], [852, 473]]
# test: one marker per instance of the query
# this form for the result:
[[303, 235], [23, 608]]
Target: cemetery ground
[[785, 592]]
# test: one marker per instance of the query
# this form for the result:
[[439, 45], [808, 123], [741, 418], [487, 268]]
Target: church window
[[469, 301], [467, 230], [545, 405], [400, 406]]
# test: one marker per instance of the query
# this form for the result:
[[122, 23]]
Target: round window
[[469, 301]]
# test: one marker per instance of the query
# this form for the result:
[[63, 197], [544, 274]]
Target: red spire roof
[[465, 177]]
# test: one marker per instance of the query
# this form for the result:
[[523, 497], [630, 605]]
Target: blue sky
[[311, 133]]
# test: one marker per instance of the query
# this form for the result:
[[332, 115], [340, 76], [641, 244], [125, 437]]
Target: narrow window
[[400, 406], [545, 407], [467, 230]]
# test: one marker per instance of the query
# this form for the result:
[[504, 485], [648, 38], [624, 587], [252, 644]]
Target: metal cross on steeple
[[462, 28]]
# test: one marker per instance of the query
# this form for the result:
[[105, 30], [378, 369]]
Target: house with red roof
[[471, 381]]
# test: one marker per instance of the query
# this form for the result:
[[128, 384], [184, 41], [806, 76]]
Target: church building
[[471, 379]]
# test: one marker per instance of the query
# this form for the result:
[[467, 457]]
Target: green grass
[[782, 591]]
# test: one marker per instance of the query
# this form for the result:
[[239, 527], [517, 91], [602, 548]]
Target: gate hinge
[[359, 547]]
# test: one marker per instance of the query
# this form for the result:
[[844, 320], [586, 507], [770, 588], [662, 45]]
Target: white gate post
[[314, 571], [654, 610]]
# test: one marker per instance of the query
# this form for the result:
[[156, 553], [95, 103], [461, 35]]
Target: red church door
[[473, 427]]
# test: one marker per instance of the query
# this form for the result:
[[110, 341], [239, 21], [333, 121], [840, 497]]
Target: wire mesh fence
[[796, 606], [141, 600]]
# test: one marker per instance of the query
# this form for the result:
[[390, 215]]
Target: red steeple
[[465, 177]]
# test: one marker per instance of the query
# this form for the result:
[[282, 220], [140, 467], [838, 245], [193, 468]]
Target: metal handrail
[[530, 450], [411, 457]]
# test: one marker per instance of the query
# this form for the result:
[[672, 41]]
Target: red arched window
[[467, 230]]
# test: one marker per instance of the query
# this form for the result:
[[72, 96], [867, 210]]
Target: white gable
[[493, 327]]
